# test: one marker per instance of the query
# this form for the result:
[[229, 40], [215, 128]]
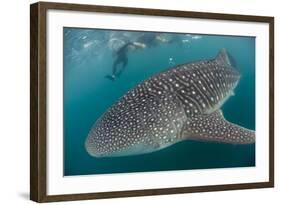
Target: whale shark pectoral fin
[[213, 127]]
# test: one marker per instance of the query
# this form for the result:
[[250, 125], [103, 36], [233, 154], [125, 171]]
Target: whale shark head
[[160, 111]]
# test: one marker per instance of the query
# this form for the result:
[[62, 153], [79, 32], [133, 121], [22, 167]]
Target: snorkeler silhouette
[[143, 41], [122, 58]]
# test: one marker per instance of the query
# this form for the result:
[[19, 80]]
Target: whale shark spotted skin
[[179, 104]]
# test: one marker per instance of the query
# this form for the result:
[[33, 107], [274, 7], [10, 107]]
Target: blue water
[[89, 55]]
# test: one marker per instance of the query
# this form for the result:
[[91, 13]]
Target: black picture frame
[[38, 102]]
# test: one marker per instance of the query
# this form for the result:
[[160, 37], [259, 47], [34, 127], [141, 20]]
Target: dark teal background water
[[88, 57]]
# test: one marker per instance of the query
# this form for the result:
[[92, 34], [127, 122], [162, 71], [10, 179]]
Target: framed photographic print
[[134, 102]]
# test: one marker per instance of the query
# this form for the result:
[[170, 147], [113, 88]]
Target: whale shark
[[181, 103]]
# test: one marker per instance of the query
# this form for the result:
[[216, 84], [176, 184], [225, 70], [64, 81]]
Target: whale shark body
[[182, 103]]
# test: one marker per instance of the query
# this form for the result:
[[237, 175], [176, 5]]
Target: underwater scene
[[139, 101]]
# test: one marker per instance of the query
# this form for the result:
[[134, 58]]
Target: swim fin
[[110, 77]]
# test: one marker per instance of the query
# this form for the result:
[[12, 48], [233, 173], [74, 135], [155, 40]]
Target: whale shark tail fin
[[213, 127], [110, 77]]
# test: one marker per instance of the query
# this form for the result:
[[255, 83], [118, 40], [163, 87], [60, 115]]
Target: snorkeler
[[148, 39], [122, 58], [145, 40]]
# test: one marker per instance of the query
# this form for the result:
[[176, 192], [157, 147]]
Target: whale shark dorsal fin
[[213, 127], [223, 58]]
